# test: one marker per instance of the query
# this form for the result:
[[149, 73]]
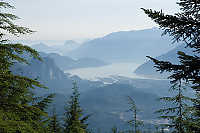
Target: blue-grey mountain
[[122, 46], [56, 48], [66, 63]]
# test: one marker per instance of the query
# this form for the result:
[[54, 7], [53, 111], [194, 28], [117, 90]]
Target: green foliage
[[19, 112], [54, 125], [114, 130], [42, 102], [183, 27], [7, 25], [177, 110], [74, 121]]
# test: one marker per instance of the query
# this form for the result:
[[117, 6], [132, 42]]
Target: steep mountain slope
[[47, 73], [51, 76], [125, 46], [63, 62]]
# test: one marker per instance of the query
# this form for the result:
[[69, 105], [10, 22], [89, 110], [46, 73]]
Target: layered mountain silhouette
[[59, 48], [41, 47], [66, 63], [122, 46]]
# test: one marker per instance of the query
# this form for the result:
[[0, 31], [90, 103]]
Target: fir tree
[[114, 130], [183, 27], [134, 122], [74, 121], [177, 110], [162, 130], [19, 112], [54, 125]]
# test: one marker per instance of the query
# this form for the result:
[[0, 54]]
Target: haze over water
[[115, 69]]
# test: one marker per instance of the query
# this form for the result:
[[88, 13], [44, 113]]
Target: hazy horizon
[[79, 40], [72, 20]]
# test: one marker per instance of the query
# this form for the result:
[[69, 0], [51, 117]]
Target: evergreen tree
[[162, 130], [114, 130], [74, 121], [177, 110], [54, 125], [183, 27], [156, 129], [135, 122], [19, 111]]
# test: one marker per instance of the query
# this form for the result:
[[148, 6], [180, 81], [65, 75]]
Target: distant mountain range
[[41, 47], [60, 49], [68, 46], [56, 52], [123, 46], [66, 63], [147, 69]]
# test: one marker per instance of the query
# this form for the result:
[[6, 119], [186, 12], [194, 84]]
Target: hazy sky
[[73, 19]]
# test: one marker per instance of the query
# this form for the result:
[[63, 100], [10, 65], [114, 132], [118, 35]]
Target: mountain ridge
[[125, 46]]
